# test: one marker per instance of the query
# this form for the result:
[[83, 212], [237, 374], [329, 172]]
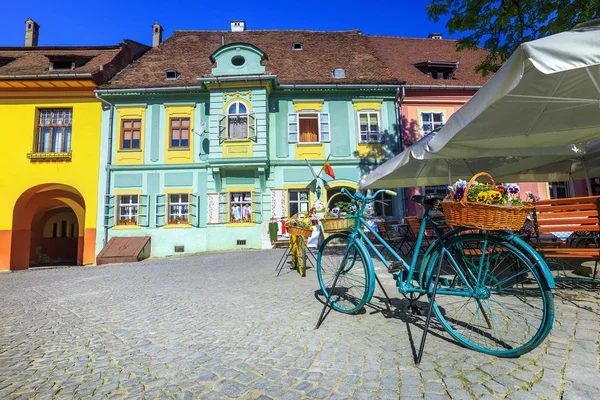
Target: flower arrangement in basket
[[340, 218], [299, 225], [486, 205]]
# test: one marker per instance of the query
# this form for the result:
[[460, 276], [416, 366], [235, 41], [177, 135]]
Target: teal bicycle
[[489, 290]]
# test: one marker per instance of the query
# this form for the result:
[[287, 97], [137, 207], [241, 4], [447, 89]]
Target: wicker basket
[[485, 216], [331, 225], [294, 230]]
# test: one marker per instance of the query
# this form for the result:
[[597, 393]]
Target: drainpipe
[[108, 159], [400, 123]]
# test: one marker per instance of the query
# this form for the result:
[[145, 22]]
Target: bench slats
[[569, 200], [566, 207], [567, 228], [567, 214], [568, 221]]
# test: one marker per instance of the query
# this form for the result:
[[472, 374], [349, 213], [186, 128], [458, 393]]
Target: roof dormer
[[6, 60], [238, 59], [438, 69], [67, 62]]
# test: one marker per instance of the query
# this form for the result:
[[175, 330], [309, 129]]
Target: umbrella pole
[[449, 173], [588, 183]]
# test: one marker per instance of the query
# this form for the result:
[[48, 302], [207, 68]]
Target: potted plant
[[173, 220], [122, 221], [131, 221]]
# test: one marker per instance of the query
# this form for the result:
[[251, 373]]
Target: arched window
[[237, 121]]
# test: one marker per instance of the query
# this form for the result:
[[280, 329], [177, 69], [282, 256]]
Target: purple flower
[[513, 188], [460, 191]]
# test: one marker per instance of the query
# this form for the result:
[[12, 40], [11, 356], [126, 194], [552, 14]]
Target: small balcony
[[62, 156]]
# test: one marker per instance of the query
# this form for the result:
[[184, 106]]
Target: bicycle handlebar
[[359, 196]]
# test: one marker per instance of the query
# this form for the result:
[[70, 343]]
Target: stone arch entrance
[[48, 227]]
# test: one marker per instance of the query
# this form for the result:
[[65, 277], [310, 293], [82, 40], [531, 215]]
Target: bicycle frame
[[406, 277]]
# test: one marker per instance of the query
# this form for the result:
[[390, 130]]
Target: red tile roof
[[34, 62], [366, 59], [400, 54]]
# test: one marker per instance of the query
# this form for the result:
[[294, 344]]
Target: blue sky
[[108, 22]]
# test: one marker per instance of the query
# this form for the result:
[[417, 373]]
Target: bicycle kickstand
[[435, 284]]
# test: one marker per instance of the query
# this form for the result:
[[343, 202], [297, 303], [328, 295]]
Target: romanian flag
[[328, 170]]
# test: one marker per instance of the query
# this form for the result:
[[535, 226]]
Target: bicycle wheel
[[347, 266], [490, 296]]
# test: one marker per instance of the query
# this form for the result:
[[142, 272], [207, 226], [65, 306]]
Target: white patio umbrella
[[546, 94], [583, 164], [415, 166]]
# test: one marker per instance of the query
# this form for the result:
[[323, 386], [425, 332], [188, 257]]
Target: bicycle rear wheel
[[491, 297], [345, 273]]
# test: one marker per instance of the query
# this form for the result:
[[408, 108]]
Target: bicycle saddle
[[429, 201]]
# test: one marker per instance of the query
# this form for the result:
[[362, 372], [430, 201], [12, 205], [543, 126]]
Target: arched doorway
[[48, 227], [335, 195]]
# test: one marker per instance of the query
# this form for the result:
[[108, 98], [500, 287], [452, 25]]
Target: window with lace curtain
[[237, 121], [54, 131]]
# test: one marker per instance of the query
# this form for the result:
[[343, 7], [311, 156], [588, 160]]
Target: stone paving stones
[[223, 326]]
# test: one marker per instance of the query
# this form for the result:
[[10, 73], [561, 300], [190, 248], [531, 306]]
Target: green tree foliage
[[502, 25]]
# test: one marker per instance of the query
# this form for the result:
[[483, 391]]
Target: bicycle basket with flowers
[[486, 205], [300, 225], [340, 218]]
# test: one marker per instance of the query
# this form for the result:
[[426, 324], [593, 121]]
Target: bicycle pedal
[[395, 266]]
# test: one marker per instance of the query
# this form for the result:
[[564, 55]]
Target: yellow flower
[[494, 196], [482, 197]]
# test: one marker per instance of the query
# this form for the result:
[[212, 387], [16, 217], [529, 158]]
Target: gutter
[[338, 86], [441, 87], [49, 76], [145, 90], [108, 161], [238, 78]]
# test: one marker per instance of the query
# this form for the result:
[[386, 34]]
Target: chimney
[[32, 30], [238, 26], [157, 31], [434, 36]]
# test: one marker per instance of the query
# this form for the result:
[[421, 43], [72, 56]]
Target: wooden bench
[[579, 215]]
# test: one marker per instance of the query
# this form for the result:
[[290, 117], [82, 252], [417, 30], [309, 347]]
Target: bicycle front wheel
[[345, 273], [490, 296]]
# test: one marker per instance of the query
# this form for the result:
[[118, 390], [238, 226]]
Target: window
[[128, 209], [180, 133], [431, 121], [383, 205], [240, 207], [308, 127], [297, 46], [171, 75], [238, 61], [298, 201], [179, 208], [559, 190], [63, 229], [237, 121], [440, 190], [339, 73], [368, 125], [54, 131], [131, 132]]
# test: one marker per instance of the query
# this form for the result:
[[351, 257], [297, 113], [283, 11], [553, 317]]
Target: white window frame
[[231, 200], [135, 206], [55, 132], [180, 204], [298, 201], [238, 115], [433, 126], [323, 120], [368, 113]]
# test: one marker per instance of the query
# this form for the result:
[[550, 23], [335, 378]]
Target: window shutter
[[160, 209], [194, 210], [222, 210], [278, 203], [109, 210], [324, 126], [222, 127], [293, 127], [252, 127], [212, 210], [143, 210], [257, 207]]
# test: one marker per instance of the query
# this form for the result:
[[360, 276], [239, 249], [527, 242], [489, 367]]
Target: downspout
[[400, 123], [108, 160]]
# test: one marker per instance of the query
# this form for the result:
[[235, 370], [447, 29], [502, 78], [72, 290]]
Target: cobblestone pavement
[[222, 325]]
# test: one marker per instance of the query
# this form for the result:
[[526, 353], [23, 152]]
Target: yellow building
[[50, 157]]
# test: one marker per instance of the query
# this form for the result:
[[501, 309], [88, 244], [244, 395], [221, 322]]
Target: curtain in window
[[238, 127]]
